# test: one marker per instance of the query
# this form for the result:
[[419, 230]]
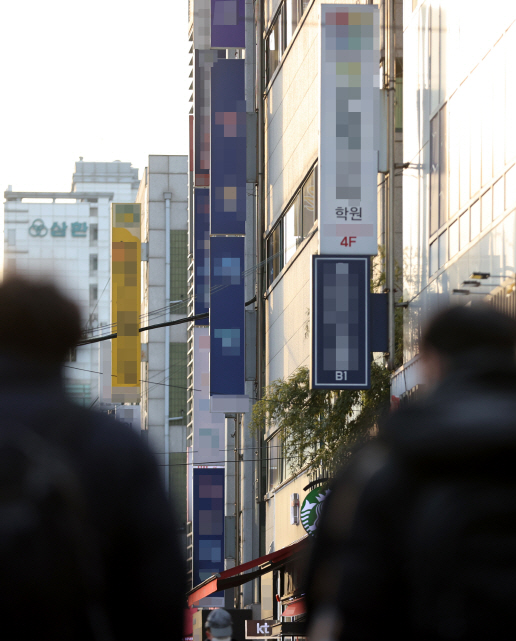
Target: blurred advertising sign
[[125, 302], [349, 129], [228, 24], [259, 629], [341, 357]]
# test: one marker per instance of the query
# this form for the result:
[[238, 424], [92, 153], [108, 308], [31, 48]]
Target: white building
[[67, 236], [163, 195], [459, 181]]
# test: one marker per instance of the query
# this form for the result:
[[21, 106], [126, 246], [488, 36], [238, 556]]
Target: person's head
[[466, 336], [219, 625], [37, 322]]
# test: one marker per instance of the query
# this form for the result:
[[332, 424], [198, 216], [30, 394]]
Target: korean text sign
[[349, 129]]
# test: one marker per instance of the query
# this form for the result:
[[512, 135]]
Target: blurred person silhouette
[[418, 537], [88, 542]]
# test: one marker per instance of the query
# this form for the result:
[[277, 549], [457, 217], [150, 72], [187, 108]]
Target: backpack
[[460, 555], [50, 570]]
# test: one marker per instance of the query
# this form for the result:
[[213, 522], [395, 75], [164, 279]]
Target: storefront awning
[[239, 574], [295, 608]]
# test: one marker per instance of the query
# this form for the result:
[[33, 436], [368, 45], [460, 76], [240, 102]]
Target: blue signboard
[[208, 523], [228, 23], [228, 147], [227, 316], [341, 357], [204, 61], [202, 253]]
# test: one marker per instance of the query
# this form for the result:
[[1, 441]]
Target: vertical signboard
[[228, 147], [228, 23], [349, 129], [202, 253], [227, 317], [208, 524], [208, 427], [125, 302], [341, 357]]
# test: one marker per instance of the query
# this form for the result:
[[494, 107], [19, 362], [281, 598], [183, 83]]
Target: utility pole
[[390, 55]]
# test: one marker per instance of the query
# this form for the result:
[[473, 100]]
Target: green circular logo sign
[[311, 508]]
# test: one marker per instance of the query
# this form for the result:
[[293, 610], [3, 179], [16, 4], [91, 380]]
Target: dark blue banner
[[204, 61], [228, 147], [341, 357], [208, 524], [228, 23], [202, 253], [227, 316]]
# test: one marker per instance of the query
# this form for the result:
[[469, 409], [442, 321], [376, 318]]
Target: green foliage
[[319, 427]]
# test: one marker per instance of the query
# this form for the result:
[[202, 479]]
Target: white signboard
[[349, 129]]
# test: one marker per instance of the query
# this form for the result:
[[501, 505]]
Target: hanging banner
[[208, 524], [125, 302], [228, 24], [202, 253], [228, 148], [349, 129], [204, 61], [227, 322], [341, 352]]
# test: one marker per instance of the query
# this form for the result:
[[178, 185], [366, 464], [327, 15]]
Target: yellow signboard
[[125, 302]]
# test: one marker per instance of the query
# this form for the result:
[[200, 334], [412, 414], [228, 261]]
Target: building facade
[[163, 196], [67, 237], [459, 178]]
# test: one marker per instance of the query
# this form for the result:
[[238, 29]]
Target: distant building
[[67, 236], [163, 195]]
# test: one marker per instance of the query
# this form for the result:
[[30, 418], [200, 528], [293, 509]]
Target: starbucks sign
[[312, 507]]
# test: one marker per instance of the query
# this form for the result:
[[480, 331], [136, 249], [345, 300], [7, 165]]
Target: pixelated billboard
[[208, 427], [228, 23], [341, 357], [227, 316], [208, 524], [202, 253], [204, 61], [349, 129], [125, 302], [228, 147]]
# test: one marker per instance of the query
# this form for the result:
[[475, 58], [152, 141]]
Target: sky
[[103, 79]]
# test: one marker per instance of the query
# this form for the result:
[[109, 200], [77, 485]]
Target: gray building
[[163, 195]]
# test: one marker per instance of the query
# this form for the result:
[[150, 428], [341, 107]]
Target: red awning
[[295, 608], [235, 576]]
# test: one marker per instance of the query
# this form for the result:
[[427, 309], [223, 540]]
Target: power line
[[141, 380]]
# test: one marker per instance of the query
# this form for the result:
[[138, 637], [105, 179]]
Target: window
[[273, 46], [94, 263], [498, 198], [454, 238], [475, 219], [438, 171], [71, 356], [93, 294], [293, 227], [281, 31], [274, 254], [94, 211], [275, 459], [94, 233], [11, 237], [309, 202], [487, 209], [464, 229]]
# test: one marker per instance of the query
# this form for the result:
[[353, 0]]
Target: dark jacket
[[365, 572], [144, 573]]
